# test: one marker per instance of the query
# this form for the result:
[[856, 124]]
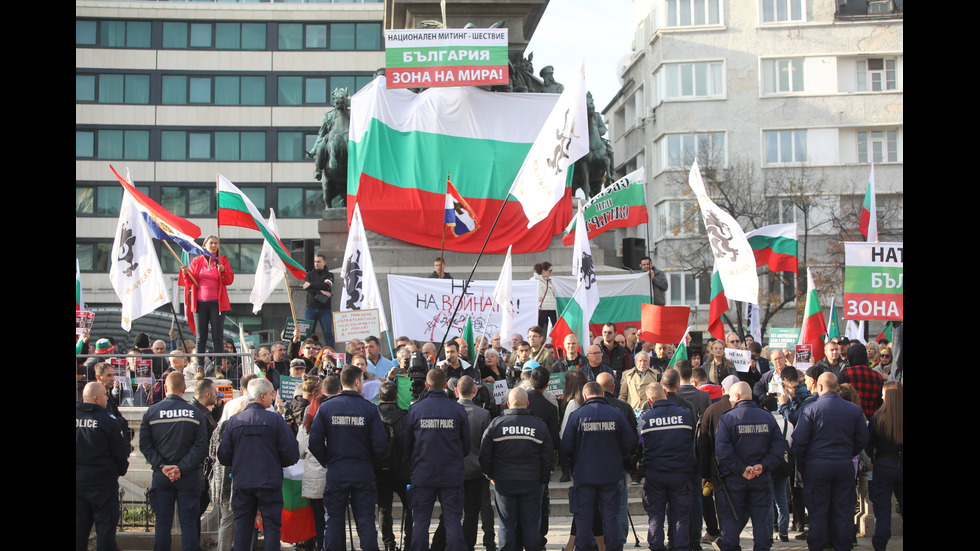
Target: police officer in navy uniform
[[173, 438], [348, 438], [101, 457], [667, 436], [257, 444], [437, 438], [830, 433], [596, 439], [516, 454], [748, 446]]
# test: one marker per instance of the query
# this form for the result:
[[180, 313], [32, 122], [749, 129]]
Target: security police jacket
[[748, 435], [348, 437], [101, 447], [173, 432], [596, 437], [437, 437]]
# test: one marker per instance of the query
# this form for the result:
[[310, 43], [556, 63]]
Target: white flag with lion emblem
[[361, 291], [135, 269]]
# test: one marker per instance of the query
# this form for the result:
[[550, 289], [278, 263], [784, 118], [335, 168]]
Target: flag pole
[[289, 294], [176, 256]]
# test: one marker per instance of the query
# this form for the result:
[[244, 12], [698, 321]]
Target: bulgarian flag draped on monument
[[236, 209], [776, 246], [402, 145], [814, 325], [620, 205]]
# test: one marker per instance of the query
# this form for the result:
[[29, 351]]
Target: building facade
[[176, 92], [785, 104]]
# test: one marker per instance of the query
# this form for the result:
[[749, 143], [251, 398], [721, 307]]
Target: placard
[[783, 338], [804, 356], [874, 282], [427, 58], [305, 329], [556, 384], [83, 321], [741, 359], [356, 324], [143, 371], [287, 387], [500, 392], [227, 391]]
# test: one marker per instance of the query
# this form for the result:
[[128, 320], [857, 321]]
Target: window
[[299, 90], [785, 146], [778, 11], [216, 90], [112, 88], [688, 290], [678, 219], [188, 201], [691, 80], [682, 13], [782, 75], [330, 36], [113, 34], [180, 145], [93, 257], [180, 35], [784, 211], [882, 145], [300, 202], [680, 150], [875, 74], [243, 257], [113, 144], [292, 146]]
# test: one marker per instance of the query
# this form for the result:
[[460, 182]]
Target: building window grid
[[703, 79], [183, 35], [782, 11], [684, 13], [129, 145], [213, 90], [335, 36], [112, 33], [883, 145], [782, 75], [316, 90], [113, 88], [785, 146], [299, 202], [876, 74], [680, 150], [180, 145]]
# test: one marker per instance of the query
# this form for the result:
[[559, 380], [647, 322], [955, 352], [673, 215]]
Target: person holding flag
[[206, 282]]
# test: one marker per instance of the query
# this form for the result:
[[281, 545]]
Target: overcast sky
[[600, 30]]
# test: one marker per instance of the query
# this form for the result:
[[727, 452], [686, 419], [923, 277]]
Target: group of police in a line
[[516, 454]]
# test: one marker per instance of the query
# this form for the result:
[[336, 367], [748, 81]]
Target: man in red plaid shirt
[[865, 380]]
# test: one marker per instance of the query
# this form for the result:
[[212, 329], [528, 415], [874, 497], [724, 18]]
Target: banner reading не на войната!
[[425, 58]]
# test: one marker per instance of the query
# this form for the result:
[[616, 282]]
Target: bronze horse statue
[[329, 153]]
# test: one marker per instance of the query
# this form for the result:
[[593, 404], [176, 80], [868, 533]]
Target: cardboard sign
[[500, 392], [556, 384], [83, 322], [287, 387], [305, 329], [741, 359], [356, 324], [783, 338]]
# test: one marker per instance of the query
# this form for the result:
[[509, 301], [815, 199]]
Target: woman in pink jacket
[[206, 295]]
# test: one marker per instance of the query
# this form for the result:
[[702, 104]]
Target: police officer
[[437, 438], [348, 438], [257, 445], [748, 446], [516, 454], [667, 436], [101, 457], [596, 438], [830, 433], [173, 438]]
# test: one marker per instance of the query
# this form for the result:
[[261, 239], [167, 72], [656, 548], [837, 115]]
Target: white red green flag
[[814, 325], [734, 258], [776, 246], [269, 272], [620, 300], [717, 307], [503, 296], [236, 209], [620, 205], [869, 215], [681, 352]]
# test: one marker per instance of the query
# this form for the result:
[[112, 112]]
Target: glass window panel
[[174, 35], [290, 36], [174, 199], [312, 202], [772, 147], [672, 13], [717, 80], [111, 88], [714, 12], [138, 89], [687, 80], [785, 147], [253, 36], [112, 34], [290, 90], [674, 150], [137, 144], [862, 147], [253, 146], [257, 196], [316, 90], [316, 37], [85, 200], [226, 146], [85, 33], [362, 81], [701, 79], [201, 90], [253, 91], [675, 288], [84, 144], [200, 146], [290, 146], [341, 82], [199, 201], [689, 141], [227, 36], [290, 202], [685, 15], [699, 12], [342, 36], [784, 70], [893, 146], [248, 258], [173, 145], [200, 35], [690, 290], [796, 10], [110, 144], [174, 89], [138, 34], [226, 90], [84, 87], [800, 136], [368, 36], [797, 67], [109, 200]]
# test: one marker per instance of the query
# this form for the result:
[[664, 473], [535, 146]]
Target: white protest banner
[[421, 307], [356, 324], [499, 392], [740, 358]]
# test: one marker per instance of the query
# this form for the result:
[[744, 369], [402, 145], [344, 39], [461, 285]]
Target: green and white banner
[[873, 281], [425, 58]]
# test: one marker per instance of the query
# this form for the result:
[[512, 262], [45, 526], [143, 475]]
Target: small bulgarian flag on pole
[[681, 352], [236, 209], [814, 325], [775, 246], [869, 217], [718, 306]]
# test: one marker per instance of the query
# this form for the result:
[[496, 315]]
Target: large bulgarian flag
[[776, 246], [622, 204], [717, 307], [620, 297], [236, 209], [402, 145], [814, 324]]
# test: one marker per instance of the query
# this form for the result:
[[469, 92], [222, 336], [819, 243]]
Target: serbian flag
[[236, 209], [718, 306], [459, 215], [869, 216], [776, 246], [814, 325], [298, 523], [663, 324], [162, 223]]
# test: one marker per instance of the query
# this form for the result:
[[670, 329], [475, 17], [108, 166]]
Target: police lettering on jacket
[[347, 420], [666, 421], [172, 413], [437, 423]]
